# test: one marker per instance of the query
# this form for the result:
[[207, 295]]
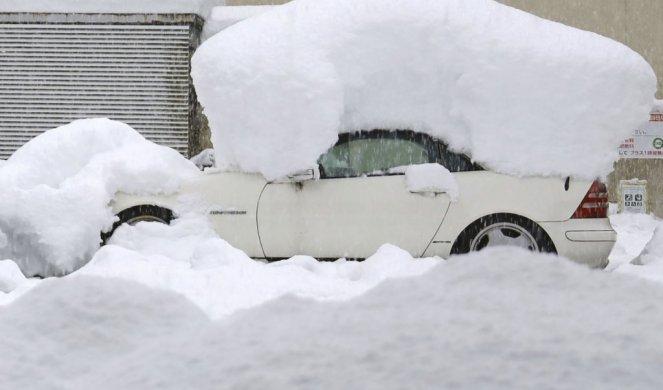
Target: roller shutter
[[53, 73]]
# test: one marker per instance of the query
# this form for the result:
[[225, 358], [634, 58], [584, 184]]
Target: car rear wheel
[[503, 230], [143, 213]]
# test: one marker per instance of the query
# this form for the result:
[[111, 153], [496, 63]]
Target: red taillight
[[595, 203]]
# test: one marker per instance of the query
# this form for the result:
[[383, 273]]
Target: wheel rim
[[144, 218], [504, 234]]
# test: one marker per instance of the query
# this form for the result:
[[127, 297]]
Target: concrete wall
[[636, 23]]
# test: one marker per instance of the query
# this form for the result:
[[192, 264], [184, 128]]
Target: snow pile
[[189, 258], [204, 159], [10, 276], [653, 252], [12, 282], [523, 320], [225, 16], [432, 178], [633, 232], [649, 264], [518, 93], [56, 190]]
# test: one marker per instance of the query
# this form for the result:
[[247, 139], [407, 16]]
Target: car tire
[[143, 213], [503, 230]]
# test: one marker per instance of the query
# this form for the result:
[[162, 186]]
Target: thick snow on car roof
[[521, 94]]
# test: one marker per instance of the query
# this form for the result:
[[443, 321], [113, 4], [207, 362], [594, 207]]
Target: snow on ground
[[56, 190], [649, 263], [633, 232], [501, 318], [189, 258], [491, 80]]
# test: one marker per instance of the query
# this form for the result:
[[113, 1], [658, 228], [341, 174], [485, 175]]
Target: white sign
[[633, 196], [647, 142]]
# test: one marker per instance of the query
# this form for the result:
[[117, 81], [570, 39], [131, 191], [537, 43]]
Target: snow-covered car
[[358, 198]]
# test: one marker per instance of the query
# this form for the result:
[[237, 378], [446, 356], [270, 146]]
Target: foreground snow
[[497, 319], [490, 80], [189, 258]]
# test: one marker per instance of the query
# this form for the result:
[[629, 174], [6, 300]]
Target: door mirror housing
[[304, 175]]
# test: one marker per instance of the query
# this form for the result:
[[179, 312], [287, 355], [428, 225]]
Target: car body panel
[[347, 217], [351, 217], [229, 199]]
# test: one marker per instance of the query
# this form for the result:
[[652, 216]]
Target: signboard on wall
[[646, 142], [633, 196]]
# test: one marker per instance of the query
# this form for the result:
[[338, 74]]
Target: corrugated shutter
[[51, 74]]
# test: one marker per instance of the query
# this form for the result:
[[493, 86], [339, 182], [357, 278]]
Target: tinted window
[[375, 153], [455, 162]]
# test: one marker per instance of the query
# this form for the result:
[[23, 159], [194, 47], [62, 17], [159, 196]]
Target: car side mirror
[[304, 175]]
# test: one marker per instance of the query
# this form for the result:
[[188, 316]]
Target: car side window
[[374, 154], [455, 162]]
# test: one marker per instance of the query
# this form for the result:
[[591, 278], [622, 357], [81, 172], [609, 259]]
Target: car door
[[359, 203]]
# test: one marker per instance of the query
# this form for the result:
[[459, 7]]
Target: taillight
[[595, 203]]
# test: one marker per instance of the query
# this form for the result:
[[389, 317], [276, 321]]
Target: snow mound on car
[[523, 320], [56, 190], [520, 94]]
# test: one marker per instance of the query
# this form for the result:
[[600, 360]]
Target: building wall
[[636, 23]]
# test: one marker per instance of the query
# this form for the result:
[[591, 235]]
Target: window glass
[[455, 162], [377, 155], [336, 162], [361, 154]]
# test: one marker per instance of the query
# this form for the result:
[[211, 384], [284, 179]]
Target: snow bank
[[433, 178], [523, 320], [649, 264], [10, 276], [189, 258], [518, 93], [633, 232], [56, 190]]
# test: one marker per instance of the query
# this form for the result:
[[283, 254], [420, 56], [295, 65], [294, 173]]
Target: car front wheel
[[143, 213]]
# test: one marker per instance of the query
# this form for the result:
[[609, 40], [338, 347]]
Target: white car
[[355, 202]]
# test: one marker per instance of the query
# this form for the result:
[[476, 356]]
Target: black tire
[[506, 223], [139, 213]]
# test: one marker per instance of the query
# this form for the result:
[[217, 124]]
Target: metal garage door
[[52, 73]]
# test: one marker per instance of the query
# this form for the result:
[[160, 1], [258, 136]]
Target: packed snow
[[634, 231], [518, 93], [502, 318], [432, 178], [204, 159], [56, 190], [649, 263], [190, 258]]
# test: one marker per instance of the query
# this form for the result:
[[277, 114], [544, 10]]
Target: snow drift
[[57, 187], [522, 320], [189, 258], [520, 94]]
